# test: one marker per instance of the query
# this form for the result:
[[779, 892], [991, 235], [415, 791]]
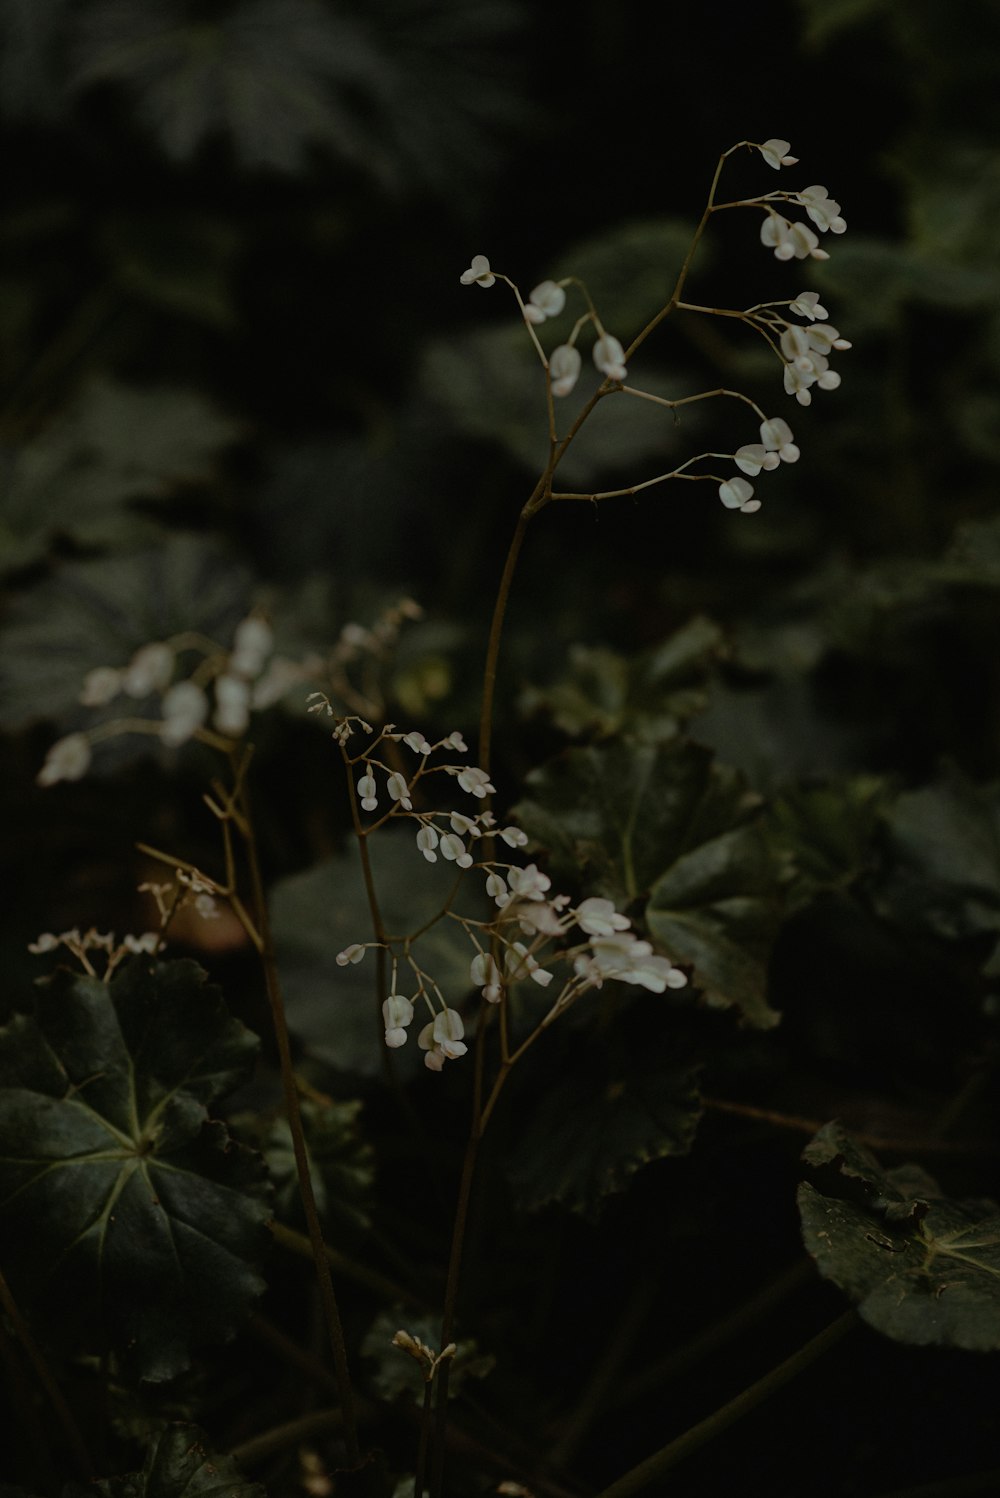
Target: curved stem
[[331, 1311], [706, 1430]]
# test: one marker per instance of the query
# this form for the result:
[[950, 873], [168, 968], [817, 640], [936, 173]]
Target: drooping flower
[[737, 494], [806, 304], [822, 209], [232, 704], [528, 883], [599, 917], [185, 708], [253, 642], [776, 435], [399, 790], [752, 457], [475, 781], [484, 974], [609, 356], [397, 1013], [565, 364], [68, 759], [149, 670], [100, 686], [368, 791], [775, 153], [546, 300], [478, 272], [351, 954], [453, 849], [427, 841]]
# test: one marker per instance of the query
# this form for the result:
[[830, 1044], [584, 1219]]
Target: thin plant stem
[[424, 1440], [662, 1461], [35, 1356], [495, 636], [331, 1311]]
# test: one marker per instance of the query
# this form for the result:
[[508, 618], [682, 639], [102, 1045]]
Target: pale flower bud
[[68, 759], [564, 368]]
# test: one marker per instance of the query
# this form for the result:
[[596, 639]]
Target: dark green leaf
[[179, 1464], [318, 913], [126, 1211], [594, 1129], [826, 832], [627, 820], [342, 1164], [922, 1268]]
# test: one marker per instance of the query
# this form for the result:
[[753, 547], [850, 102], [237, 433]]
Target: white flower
[[599, 918], [609, 356], [100, 686], [513, 837], [397, 1013], [519, 963], [149, 670], [776, 435], [416, 742], [368, 791], [147, 942], [565, 364], [822, 209], [479, 271], [47, 942], [547, 300], [806, 304], [822, 337], [484, 974], [447, 1031], [232, 704], [427, 841], [351, 954], [455, 741], [497, 890], [789, 241], [475, 781], [539, 918], [529, 883], [464, 826], [453, 849], [399, 790], [797, 382], [625, 957], [794, 342], [185, 708], [68, 759], [253, 642], [736, 494], [775, 151], [752, 457]]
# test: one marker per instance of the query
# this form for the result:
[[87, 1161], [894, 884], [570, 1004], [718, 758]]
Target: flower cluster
[[82, 946], [795, 240], [776, 446]]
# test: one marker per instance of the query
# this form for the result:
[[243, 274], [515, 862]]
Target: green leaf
[[179, 1464], [342, 1164], [98, 613], [605, 693], [115, 444], [318, 913], [629, 820], [923, 1269], [826, 833], [126, 1212], [944, 842], [595, 1127]]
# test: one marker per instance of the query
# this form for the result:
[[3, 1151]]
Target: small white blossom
[[737, 494], [232, 704], [752, 457], [776, 435], [806, 304], [475, 781], [149, 670], [351, 954], [519, 963], [609, 356], [148, 942], [464, 826], [539, 918], [484, 974], [453, 849], [185, 708], [455, 741], [253, 642], [368, 791], [822, 209], [529, 883], [496, 888], [513, 837], [775, 153], [206, 906], [68, 759], [599, 918], [397, 1013], [100, 686], [822, 337], [427, 841], [47, 942], [478, 272], [547, 300], [790, 241], [565, 364], [416, 742], [399, 790], [448, 1030]]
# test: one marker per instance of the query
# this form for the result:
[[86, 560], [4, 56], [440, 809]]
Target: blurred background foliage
[[237, 367]]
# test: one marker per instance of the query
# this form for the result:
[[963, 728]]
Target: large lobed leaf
[[179, 1464], [125, 1211], [922, 1268], [665, 822]]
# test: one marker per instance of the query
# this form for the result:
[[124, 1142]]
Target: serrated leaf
[[594, 1129], [115, 444], [627, 820], [126, 1211], [648, 696], [318, 913], [179, 1464], [945, 851], [922, 1268], [98, 613]]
